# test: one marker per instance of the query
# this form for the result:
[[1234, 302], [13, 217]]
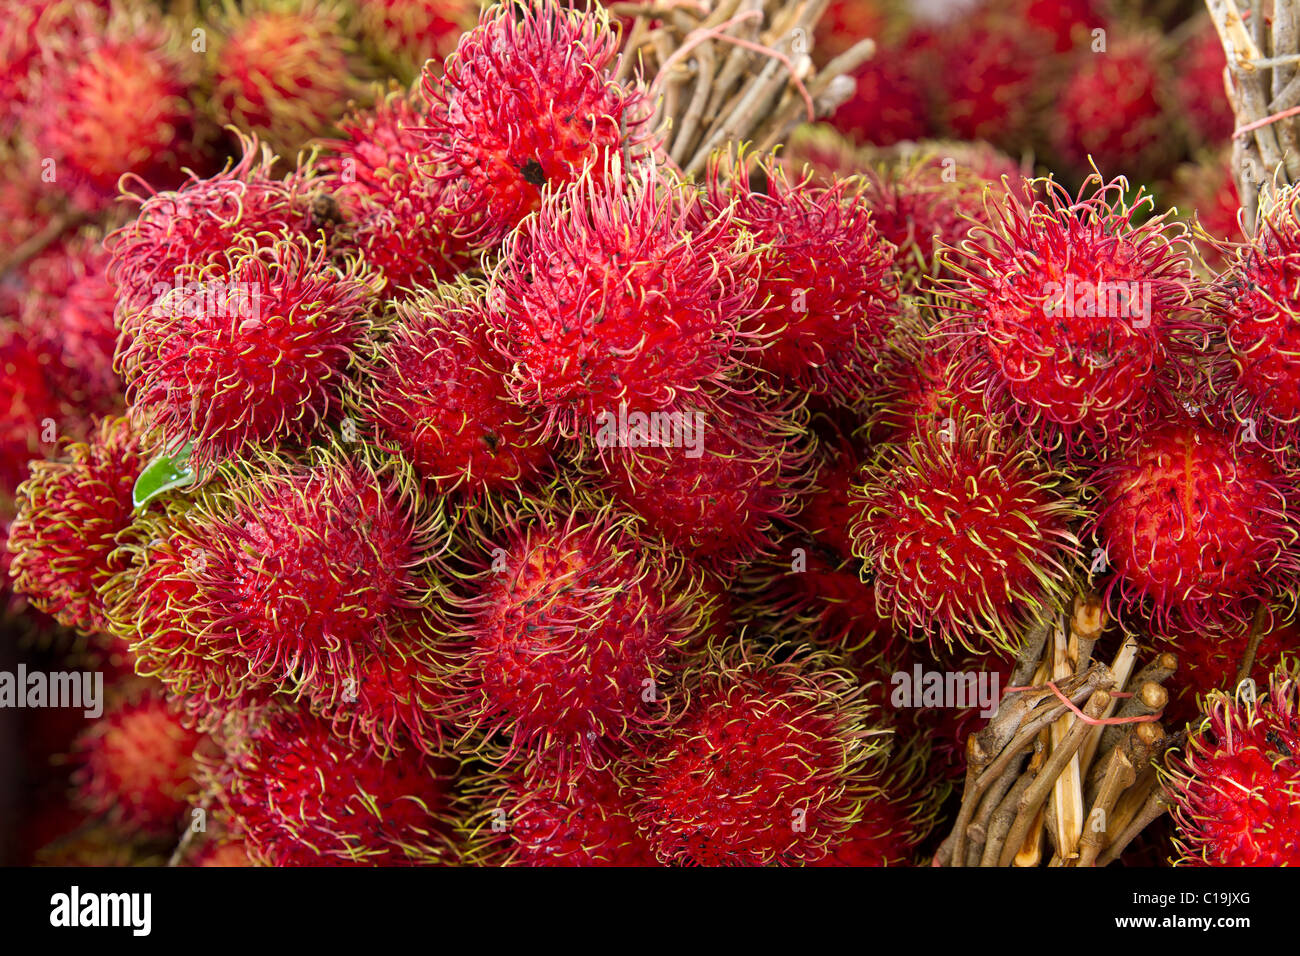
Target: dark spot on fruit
[[533, 173]]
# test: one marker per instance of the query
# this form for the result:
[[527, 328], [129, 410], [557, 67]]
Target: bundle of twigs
[[723, 72], [1261, 41], [1065, 771]]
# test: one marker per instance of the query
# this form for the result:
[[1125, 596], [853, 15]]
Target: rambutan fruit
[[1255, 302], [197, 223], [67, 306], [823, 152], [966, 538], [435, 389], [712, 481], [69, 514], [283, 70], [299, 796], [826, 282], [769, 764], [1115, 111], [33, 414], [396, 210], [619, 294], [1206, 192], [1202, 100], [524, 815], [1235, 789], [987, 77], [1195, 525], [403, 35], [888, 103], [247, 350], [1063, 24], [113, 98], [313, 565], [221, 852], [528, 100], [136, 765], [571, 627], [1073, 320]]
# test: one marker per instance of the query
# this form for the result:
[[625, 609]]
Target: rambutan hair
[[526, 104], [69, 513], [618, 293], [1235, 788], [768, 764], [248, 350], [1073, 319], [965, 537], [435, 389]]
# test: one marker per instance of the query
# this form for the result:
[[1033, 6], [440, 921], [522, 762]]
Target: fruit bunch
[[478, 486]]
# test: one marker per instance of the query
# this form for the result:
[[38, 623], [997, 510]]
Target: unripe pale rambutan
[[713, 486], [571, 626], [1196, 526], [768, 765], [619, 294], [299, 796], [396, 209], [1256, 301], [69, 514], [198, 222], [1115, 111], [136, 764], [825, 279], [1072, 319], [967, 539], [312, 566], [435, 390], [404, 34], [247, 350], [1202, 100], [283, 69], [527, 101], [1235, 789], [524, 815], [112, 99], [67, 306]]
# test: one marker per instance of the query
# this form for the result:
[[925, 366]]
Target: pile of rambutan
[[443, 477]]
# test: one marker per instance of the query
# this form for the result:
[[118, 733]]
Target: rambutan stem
[[1252, 644]]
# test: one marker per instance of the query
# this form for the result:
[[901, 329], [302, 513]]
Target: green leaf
[[163, 474]]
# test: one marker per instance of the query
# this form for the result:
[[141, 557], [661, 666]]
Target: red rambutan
[[1236, 788], [1195, 525], [609, 297], [33, 414], [768, 765], [404, 34], [1202, 100], [966, 538], [528, 100], [70, 512], [889, 103]]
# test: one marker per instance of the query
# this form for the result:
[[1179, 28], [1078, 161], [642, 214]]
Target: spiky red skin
[[28, 29], [1063, 23], [588, 821], [1236, 788], [69, 513], [527, 100], [887, 834], [727, 783], [920, 389], [1196, 525], [587, 610], [113, 101], [962, 535], [719, 507], [1209, 659], [310, 569], [1091, 378], [1255, 302], [30, 401], [300, 796], [397, 208], [1115, 108], [888, 104], [987, 77], [247, 371], [283, 71], [414, 31], [825, 279], [436, 391], [68, 307], [1202, 100], [613, 295], [199, 221], [136, 764]]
